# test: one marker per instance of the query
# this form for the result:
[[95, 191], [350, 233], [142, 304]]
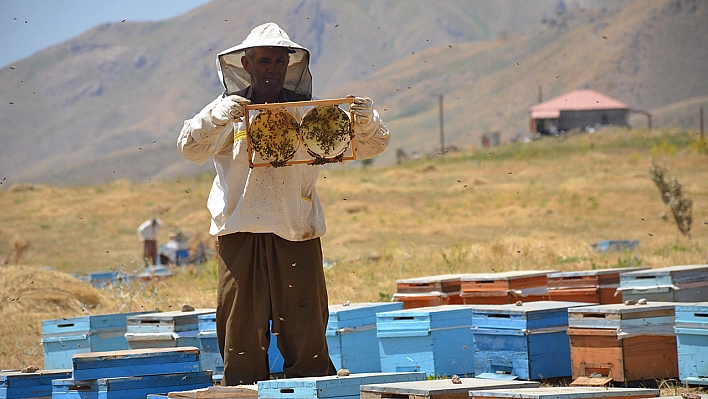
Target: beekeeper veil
[[234, 77]]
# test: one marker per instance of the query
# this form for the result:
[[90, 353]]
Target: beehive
[[435, 340], [447, 287], [135, 387], [166, 329], [528, 342], [593, 286], [63, 338], [37, 384], [506, 287], [688, 283], [351, 335], [692, 342], [623, 343]]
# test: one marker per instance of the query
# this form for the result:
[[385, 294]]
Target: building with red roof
[[579, 109]]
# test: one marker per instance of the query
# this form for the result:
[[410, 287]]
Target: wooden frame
[[351, 148]]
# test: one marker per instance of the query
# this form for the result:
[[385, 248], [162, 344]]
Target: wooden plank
[[650, 358], [566, 393], [591, 382], [329, 386], [294, 104], [437, 389], [218, 392]]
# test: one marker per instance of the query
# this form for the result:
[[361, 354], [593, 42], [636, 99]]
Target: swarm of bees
[[274, 135], [325, 131]]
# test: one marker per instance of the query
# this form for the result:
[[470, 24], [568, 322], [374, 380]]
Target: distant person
[[169, 251], [268, 219], [147, 232]]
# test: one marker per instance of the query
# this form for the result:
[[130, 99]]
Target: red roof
[[578, 100]]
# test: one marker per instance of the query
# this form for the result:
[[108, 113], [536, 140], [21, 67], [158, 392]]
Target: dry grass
[[516, 207]]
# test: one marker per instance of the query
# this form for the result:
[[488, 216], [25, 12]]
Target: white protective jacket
[[280, 200]]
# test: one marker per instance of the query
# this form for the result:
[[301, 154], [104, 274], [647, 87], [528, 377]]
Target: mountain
[[109, 103]]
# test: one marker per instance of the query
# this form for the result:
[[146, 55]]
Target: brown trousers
[[150, 251], [263, 277]]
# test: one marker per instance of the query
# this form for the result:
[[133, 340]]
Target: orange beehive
[[595, 286], [506, 287]]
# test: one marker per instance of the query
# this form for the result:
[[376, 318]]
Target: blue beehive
[[527, 342], [105, 279], [692, 342], [62, 338], [16, 384], [166, 329], [135, 387], [211, 355], [329, 386], [90, 366], [351, 335], [687, 283], [435, 340]]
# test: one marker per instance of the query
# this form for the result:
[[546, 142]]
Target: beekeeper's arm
[[370, 134], [211, 129]]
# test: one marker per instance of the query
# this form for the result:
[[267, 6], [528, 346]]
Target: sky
[[28, 26]]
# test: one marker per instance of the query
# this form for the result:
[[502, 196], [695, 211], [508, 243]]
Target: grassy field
[[520, 206]]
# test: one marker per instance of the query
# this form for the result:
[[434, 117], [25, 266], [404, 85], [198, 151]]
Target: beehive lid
[[357, 314], [507, 275], [653, 318], [692, 315], [671, 274], [92, 323], [526, 316], [596, 272], [439, 278], [161, 322]]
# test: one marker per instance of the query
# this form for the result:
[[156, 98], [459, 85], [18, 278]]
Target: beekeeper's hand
[[228, 109], [363, 110]]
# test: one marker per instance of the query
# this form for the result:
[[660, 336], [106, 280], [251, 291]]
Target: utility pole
[[442, 134], [700, 122], [540, 94]]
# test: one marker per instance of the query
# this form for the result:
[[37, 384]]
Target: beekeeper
[[268, 220]]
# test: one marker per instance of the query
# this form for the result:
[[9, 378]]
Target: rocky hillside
[[109, 103]]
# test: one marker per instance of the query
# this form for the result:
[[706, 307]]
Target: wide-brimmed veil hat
[[234, 77]]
